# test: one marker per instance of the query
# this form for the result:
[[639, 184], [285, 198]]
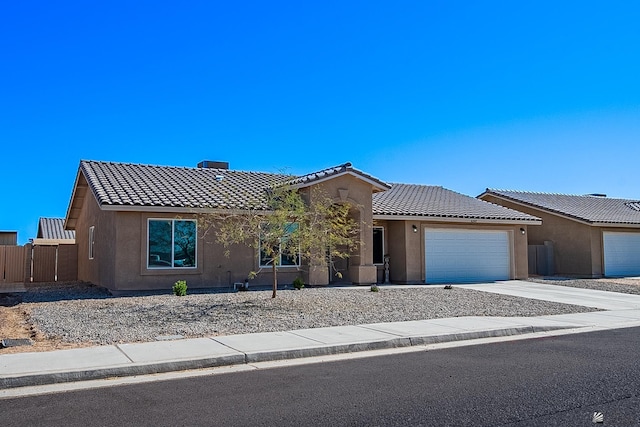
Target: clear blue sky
[[540, 96]]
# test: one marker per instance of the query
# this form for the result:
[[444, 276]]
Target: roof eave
[[463, 220], [75, 204], [180, 209], [53, 242], [534, 206], [615, 224]]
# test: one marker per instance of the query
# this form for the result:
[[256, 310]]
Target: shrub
[[298, 283], [180, 288], [375, 288]]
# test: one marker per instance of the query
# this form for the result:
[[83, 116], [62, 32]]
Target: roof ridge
[[334, 170], [543, 193], [415, 185], [149, 165], [548, 193]]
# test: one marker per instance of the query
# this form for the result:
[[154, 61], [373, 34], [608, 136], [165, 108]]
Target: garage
[[465, 256], [621, 253]]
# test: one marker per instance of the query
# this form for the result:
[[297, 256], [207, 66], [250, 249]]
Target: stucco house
[[136, 228], [591, 235]]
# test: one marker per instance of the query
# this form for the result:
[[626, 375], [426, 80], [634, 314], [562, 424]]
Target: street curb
[[118, 371], [47, 378]]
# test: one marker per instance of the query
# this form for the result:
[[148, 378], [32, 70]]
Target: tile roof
[[130, 185], [337, 170], [588, 208], [53, 229], [438, 202], [125, 184]]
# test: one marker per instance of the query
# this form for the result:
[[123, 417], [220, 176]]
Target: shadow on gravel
[[54, 293], [79, 291], [10, 300]]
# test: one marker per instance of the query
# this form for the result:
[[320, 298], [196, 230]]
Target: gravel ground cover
[[85, 314], [621, 285]]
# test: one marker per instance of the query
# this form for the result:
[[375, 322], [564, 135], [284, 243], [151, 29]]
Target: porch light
[[415, 229], [522, 231]]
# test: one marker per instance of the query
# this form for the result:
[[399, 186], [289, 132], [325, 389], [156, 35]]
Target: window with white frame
[[378, 245], [171, 243], [287, 258], [91, 240]]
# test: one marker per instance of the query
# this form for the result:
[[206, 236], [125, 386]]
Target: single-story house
[[591, 235], [51, 232], [128, 219]]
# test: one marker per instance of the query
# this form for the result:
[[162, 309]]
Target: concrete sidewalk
[[30, 369]]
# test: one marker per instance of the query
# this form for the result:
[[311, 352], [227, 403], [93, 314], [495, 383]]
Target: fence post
[[28, 265]]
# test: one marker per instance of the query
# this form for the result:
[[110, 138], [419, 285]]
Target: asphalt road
[[556, 381]]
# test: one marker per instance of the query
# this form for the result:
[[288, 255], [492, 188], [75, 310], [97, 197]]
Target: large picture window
[[172, 243], [287, 256]]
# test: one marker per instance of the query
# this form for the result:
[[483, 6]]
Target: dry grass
[[15, 323]]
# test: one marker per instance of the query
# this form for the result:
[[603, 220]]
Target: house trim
[[456, 219]]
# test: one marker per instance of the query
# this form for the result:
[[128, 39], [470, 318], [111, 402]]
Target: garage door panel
[[466, 256], [621, 253]]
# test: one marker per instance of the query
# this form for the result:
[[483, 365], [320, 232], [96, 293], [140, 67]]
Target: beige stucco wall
[[356, 192], [101, 269], [213, 270], [406, 247]]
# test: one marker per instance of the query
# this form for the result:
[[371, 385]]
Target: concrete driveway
[[585, 297]]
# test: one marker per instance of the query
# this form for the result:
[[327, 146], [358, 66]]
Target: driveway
[[563, 294]]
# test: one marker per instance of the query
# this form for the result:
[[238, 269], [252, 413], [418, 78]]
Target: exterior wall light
[[522, 231], [415, 229]]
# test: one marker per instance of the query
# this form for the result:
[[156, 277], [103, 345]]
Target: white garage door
[[460, 256], [621, 254]]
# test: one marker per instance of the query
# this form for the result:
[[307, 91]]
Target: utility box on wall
[[541, 259]]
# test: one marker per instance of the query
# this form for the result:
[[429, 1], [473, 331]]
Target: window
[[287, 258], [378, 245], [91, 240], [172, 243]]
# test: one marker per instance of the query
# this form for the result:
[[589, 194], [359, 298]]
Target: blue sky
[[540, 96]]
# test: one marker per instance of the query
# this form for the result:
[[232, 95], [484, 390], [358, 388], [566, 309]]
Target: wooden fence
[[26, 264]]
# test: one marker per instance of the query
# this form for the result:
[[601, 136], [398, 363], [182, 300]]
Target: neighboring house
[[591, 235], [51, 232], [8, 238], [137, 228]]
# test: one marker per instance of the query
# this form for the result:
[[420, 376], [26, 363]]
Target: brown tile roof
[[53, 229], [588, 208], [438, 202], [129, 185], [125, 184], [338, 170]]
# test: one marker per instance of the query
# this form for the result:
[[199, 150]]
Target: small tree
[[288, 227]]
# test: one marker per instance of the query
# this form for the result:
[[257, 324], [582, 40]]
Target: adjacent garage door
[[621, 254], [460, 256]]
